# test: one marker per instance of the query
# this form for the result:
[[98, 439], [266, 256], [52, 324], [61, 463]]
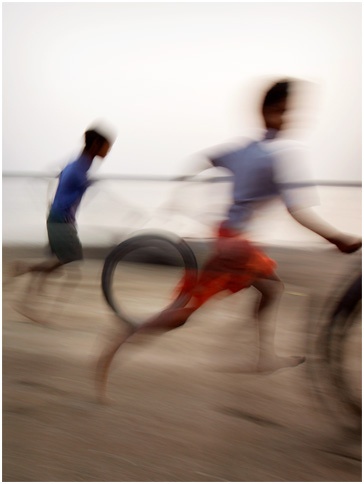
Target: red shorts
[[235, 265]]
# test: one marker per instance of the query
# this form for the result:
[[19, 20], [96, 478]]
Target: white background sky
[[174, 79]]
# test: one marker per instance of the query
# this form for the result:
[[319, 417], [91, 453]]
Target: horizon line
[[175, 178]]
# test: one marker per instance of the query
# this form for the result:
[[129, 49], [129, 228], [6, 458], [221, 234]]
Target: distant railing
[[158, 178]]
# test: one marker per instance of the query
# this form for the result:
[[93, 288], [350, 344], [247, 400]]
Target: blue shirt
[[72, 185], [261, 171]]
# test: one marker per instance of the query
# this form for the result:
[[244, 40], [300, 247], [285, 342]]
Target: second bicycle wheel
[[343, 352], [143, 275], [335, 366]]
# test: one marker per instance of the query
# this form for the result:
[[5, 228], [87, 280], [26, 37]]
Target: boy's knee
[[279, 286], [270, 289], [276, 289]]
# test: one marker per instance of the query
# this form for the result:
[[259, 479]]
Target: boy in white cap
[[61, 222]]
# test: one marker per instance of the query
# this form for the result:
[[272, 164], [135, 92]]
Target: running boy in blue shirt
[[61, 222], [260, 173]]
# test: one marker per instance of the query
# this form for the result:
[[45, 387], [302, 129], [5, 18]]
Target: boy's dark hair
[[278, 92], [91, 136]]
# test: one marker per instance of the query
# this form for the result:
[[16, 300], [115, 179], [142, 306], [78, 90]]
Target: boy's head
[[98, 141], [274, 105]]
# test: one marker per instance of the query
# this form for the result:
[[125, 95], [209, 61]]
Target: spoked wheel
[[147, 273], [337, 369]]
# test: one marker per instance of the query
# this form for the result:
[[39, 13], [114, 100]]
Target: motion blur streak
[[186, 406]]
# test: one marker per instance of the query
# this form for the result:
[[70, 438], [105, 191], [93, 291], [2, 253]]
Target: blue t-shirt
[[72, 185], [261, 171]]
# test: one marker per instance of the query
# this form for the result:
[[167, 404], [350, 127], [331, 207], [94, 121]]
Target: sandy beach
[[185, 407]]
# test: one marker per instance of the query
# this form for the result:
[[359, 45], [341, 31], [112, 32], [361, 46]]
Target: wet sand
[[186, 406]]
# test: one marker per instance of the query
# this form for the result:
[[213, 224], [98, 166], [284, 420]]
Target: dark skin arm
[[346, 243]]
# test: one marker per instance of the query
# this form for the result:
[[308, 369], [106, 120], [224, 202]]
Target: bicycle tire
[[147, 240], [342, 320], [327, 367]]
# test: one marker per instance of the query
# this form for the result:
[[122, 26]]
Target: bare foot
[[33, 317], [19, 268], [104, 399], [101, 373], [268, 364]]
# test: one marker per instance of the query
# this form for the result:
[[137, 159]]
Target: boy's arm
[[217, 157], [308, 218], [196, 167], [291, 173]]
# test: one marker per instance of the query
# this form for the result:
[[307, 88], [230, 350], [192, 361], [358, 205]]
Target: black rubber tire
[[146, 240], [342, 320], [326, 367]]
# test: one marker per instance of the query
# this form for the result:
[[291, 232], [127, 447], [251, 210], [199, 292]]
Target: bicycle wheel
[[337, 369], [143, 275], [343, 352]]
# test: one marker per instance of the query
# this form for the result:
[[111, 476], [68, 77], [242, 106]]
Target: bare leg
[[39, 273], [29, 293], [104, 362], [66, 288], [165, 321], [20, 268], [271, 291]]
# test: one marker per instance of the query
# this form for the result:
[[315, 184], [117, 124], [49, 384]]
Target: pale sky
[[174, 79]]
